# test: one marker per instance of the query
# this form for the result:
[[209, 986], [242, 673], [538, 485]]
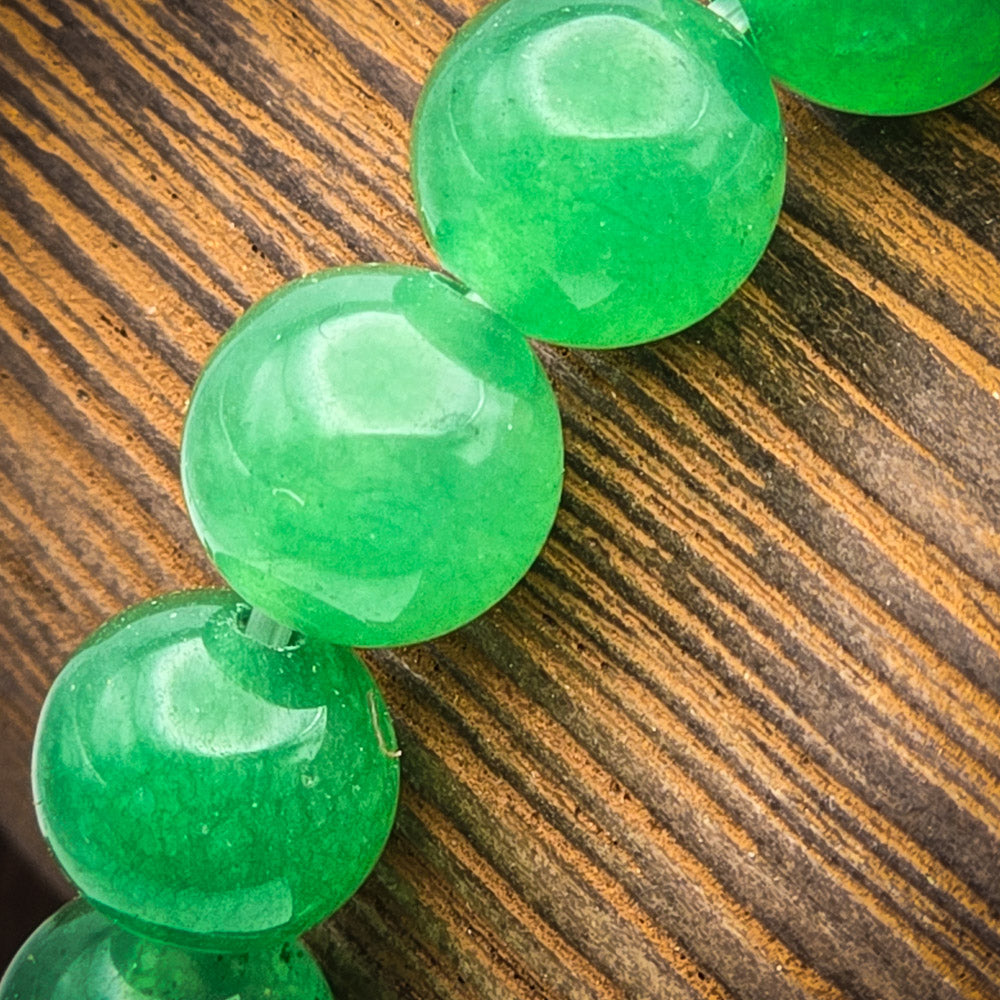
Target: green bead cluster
[[373, 456]]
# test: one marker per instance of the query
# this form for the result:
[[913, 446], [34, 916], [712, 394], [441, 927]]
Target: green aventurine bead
[[206, 790], [80, 955], [879, 57], [601, 172], [372, 456]]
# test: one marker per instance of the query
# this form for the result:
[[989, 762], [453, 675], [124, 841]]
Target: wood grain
[[737, 735]]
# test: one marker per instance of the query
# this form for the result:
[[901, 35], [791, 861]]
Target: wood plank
[[737, 734]]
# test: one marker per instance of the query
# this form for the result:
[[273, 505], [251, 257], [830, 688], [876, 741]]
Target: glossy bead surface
[[601, 173], [77, 954], [373, 457], [204, 789], [876, 57]]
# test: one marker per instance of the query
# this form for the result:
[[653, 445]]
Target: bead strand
[[373, 456]]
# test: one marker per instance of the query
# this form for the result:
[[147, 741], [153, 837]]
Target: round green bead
[[207, 790], [372, 456], [876, 57], [80, 955], [602, 173]]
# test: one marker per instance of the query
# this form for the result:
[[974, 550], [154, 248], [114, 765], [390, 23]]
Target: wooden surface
[[737, 735]]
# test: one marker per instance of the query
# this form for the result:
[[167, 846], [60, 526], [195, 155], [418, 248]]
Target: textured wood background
[[737, 735]]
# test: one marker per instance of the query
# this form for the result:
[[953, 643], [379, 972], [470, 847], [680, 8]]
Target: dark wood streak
[[706, 736], [827, 698], [928, 161], [398, 88], [165, 449], [23, 209], [980, 117], [243, 68], [447, 12], [737, 735], [785, 492], [840, 323], [164, 508]]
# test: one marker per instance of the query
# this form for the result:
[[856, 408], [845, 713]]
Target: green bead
[[372, 456], [207, 790], [602, 173], [879, 57], [80, 955]]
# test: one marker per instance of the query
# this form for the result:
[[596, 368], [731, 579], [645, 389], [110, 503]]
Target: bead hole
[[258, 627]]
